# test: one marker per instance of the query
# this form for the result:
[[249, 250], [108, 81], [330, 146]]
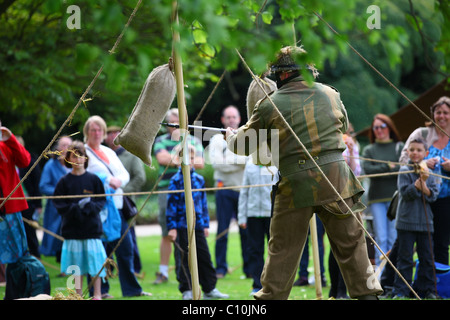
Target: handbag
[[392, 210], [129, 209]]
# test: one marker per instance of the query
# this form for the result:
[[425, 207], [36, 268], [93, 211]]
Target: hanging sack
[[157, 95], [255, 94]]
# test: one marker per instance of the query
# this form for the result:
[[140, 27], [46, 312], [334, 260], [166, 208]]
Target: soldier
[[319, 119]]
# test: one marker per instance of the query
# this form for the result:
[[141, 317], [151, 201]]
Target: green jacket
[[382, 188], [319, 119], [135, 168]]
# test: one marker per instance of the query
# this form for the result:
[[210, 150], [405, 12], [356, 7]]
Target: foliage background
[[45, 66]]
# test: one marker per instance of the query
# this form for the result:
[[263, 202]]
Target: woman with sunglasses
[[438, 160], [385, 145]]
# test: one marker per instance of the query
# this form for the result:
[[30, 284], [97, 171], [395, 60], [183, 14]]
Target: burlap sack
[[138, 134], [254, 95]]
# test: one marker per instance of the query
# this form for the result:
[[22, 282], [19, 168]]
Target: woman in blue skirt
[[82, 252]]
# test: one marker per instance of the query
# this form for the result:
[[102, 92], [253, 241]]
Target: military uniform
[[319, 119]]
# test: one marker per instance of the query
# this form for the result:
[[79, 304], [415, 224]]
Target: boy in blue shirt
[[177, 226], [414, 224]]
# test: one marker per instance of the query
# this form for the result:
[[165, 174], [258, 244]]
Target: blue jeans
[[384, 229], [226, 209]]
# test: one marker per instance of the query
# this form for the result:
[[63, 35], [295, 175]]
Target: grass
[[234, 284]]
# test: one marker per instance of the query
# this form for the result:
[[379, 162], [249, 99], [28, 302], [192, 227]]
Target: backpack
[[442, 279], [26, 278]]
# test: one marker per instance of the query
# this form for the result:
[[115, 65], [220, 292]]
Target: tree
[[414, 67], [45, 66]]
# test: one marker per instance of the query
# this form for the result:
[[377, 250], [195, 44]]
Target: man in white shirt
[[228, 171]]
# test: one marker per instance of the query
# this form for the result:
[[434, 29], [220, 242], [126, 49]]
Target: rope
[[36, 225], [70, 117], [210, 96], [68, 122], [131, 223], [382, 76], [83, 100], [206, 189], [322, 173]]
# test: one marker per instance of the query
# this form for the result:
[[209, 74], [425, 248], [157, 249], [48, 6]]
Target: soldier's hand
[[230, 132]]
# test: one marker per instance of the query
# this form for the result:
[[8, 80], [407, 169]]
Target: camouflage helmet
[[286, 61]]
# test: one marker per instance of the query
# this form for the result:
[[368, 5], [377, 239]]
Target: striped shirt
[[164, 142]]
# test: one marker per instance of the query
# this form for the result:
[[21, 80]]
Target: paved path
[[155, 229]]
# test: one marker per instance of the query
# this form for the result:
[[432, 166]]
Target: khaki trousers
[[288, 232]]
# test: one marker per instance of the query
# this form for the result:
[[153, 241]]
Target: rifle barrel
[[176, 125]]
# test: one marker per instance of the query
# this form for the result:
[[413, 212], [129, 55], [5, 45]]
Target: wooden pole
[[185, 167], [315, 248]]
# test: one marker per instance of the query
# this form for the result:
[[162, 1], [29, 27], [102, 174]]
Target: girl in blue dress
[[82, 252]]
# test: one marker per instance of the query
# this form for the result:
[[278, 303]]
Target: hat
[[286, 61], [113, 129]]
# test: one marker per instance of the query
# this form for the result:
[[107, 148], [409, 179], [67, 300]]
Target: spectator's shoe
[[342, 296], [431, 296], [160, 278], [302, 281], [187, 295], [215, 294], [145, 294], [387, 293]]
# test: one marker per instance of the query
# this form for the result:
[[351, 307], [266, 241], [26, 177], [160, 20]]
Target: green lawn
[[233, 284]]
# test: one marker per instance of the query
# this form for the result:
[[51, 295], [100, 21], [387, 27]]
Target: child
[[414, 224], [81, 225], [254, 212], [177, 226]]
